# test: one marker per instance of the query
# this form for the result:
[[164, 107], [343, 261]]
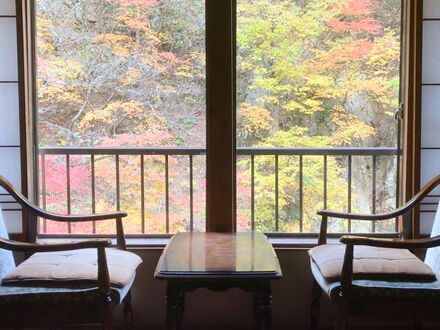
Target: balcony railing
[[250, 153]]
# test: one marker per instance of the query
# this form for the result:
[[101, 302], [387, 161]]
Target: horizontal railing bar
[[318, 151], [269, 234], [122, 151], [202, 151]]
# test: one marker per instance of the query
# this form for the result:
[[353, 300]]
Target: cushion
[[7, 262], [74, 265], [68, 293], [380, 288], [371, 263]]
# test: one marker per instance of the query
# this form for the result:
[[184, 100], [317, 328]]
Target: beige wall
[[9, 114], [291, 297], [430, 161]]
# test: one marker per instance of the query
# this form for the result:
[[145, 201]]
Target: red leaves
[[355, 9], [366, 25]]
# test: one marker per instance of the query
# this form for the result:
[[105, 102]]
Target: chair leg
[[341, 314], [128, 312], [418, 325], [314, 310], [107, 314]]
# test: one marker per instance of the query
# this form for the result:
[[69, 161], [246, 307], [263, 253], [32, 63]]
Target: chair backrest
[[433, 254], [7, 263]]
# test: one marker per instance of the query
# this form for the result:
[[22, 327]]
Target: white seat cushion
[[74, 265], [371, 263]]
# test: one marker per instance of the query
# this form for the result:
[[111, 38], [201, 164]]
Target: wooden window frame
[[221, 110]]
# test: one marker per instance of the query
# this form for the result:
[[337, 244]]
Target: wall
[[430, 153], [10, 166], [292, 293], [291, 297]]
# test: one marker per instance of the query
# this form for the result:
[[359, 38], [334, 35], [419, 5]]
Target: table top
[[218, 255]]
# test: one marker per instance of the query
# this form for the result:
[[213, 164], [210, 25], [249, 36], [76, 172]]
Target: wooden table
[[218, 262]]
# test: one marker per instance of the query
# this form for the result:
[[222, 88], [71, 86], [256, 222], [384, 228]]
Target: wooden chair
[[58, 305], [407, 301]]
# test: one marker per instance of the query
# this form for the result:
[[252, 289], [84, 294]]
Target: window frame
[[221, 109]]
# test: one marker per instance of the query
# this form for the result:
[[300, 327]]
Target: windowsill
[[280, 241], [154, 243]]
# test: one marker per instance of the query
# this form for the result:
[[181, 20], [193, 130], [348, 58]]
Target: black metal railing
[[374, 153]]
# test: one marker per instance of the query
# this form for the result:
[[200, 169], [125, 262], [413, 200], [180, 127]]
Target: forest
[[131, 73]]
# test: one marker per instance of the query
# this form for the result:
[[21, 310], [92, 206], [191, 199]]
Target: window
[[314, 79], [317, 85]]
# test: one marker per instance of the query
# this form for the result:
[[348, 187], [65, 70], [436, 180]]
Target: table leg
[[262, 307], [175, 301]]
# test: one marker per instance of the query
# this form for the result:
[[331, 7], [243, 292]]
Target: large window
[[121, 113], [316, 78]]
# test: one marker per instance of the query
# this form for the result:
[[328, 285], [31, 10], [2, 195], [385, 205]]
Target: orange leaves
[[131, 77], [120, 44], [354, 51], [365, 25]]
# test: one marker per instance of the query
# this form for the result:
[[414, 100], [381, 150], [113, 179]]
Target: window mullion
[[220, 122]]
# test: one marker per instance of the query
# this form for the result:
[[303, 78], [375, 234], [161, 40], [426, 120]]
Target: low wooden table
[[218, 261]]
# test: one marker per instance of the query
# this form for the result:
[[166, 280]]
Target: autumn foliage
[[131, 73]]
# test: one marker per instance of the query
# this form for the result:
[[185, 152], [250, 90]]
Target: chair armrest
[[403, 210], [357, 216], [421, 243], [12, 245], [103, 275], [26, 204], [384, 216]]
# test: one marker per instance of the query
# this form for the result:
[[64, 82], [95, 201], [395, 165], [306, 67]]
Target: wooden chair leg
[[107, 314], [128, 312], [341, 314], [314, 310], [418, 325]]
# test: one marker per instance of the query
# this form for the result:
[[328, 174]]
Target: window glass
[[316, 74], [122, 74]]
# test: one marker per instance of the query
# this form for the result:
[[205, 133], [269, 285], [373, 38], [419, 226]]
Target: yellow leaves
[[120, 44], [349, 127], [123, 117], [307, 106], [385, 50], [59, 95], [253, 121], [184, 74], [372, 86]]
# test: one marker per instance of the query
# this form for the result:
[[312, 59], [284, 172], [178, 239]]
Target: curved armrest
[[23, 201], [383, 216], [422, 243], [375, 217], [11, 245], [100, 244], [357, 216]]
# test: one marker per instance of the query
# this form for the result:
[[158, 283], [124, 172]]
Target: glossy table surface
[[218, 255]]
